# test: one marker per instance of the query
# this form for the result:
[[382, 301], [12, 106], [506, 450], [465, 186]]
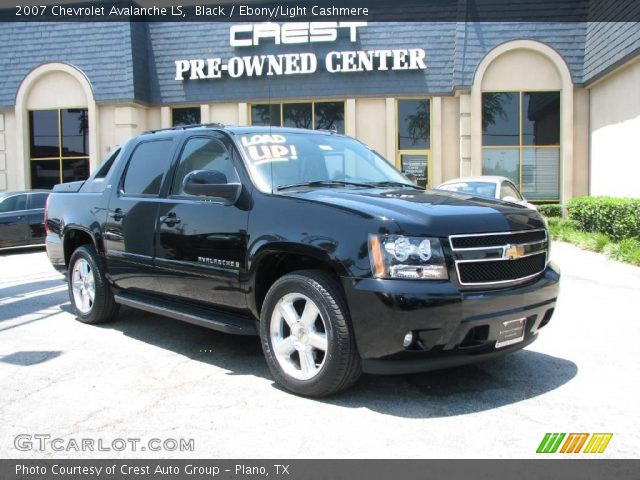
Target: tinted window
[[297, 115], [75, 169], [502, 162], [43, 129], [147, 166], [417, 166], [62, 138], [103, 169], [38, 200], [13, 203], [202, 154], [45, 173], [265, 115], [500, 118], [186, 116], [329, 116], [74, 127], [541, 118], [413, 125]]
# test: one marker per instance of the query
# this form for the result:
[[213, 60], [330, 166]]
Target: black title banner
[[324, 10]]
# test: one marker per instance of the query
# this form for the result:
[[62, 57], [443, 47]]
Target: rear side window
[[509, 190], [13, 203], [105, 167], [149, 162], [38, 200]]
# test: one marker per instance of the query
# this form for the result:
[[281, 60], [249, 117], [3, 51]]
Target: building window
[[414, 139], [521, 141], [185, 116], [58, 146], [312, 115]]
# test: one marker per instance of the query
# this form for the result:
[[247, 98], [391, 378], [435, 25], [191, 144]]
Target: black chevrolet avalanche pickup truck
[[308, 239]]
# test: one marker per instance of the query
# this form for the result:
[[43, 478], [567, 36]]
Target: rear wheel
[[89, 290], [306, 336]]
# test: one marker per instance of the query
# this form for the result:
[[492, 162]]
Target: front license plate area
[[511, 332]]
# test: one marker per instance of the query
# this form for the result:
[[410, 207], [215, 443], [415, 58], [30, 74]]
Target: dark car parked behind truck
[[308, 239], [22, 218]]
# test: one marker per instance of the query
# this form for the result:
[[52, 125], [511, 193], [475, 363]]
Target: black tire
[[342, 366], [103, 307]]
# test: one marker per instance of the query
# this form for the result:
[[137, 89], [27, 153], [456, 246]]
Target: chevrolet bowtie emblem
[[512, 252]]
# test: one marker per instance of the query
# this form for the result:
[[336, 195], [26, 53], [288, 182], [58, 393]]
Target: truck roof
[[239, 130]]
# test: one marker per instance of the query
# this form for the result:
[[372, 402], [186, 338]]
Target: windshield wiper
[[388, 183], [323, 183]]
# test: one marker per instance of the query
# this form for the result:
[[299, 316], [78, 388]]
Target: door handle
[[170, 219], [117, 215]]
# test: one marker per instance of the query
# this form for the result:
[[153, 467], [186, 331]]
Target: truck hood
[[429, 212]]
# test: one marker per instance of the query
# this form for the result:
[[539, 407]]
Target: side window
[[509, 190], [13, 203], [38, 200], [203, 153], [147, 166], [103, 169]]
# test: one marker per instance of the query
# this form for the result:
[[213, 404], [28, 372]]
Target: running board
[[204, 317]]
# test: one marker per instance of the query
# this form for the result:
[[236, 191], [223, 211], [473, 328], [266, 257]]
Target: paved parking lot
[[148, 377]]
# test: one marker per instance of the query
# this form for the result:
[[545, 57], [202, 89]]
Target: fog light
[[408, 340]]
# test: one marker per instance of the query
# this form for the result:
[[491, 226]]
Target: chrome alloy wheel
[[83, 286], [298, 336]]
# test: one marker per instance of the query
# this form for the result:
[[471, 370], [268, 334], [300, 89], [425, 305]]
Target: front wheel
[[89, 290], [306, 336]]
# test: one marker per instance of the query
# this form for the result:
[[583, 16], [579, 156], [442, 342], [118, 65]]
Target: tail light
[[46, 215]]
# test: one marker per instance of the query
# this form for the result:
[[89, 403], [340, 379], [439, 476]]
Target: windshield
[[480, 189], [280, 160]]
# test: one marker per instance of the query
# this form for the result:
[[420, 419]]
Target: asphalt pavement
[[145, 378]]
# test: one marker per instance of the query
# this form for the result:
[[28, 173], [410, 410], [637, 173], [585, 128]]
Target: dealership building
[[553, 106]]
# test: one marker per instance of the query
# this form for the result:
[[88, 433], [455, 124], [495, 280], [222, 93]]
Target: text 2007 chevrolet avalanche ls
[[310, 240]]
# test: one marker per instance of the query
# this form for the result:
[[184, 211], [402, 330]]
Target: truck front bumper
[[451, 327]]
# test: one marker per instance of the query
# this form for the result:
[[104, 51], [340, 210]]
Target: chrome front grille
[[499, 258]]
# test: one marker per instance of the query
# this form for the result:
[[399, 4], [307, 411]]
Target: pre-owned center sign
[[298, 63]]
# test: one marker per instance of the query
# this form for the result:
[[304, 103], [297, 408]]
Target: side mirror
[[211, 183]]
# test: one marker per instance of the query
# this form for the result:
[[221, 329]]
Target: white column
[[566, 142], [205, 114], [436, 142], [350, 117], [165, 117], [243, 113], [465, 136], [390, 122]]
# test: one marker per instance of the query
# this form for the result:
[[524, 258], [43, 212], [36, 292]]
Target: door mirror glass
[[210, 183]]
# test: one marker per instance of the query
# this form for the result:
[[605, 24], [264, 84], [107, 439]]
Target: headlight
[[397, 256]]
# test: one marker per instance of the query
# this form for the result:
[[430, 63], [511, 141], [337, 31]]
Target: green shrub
[[627, 250], [618, 218], [550, 210], [569, 231]]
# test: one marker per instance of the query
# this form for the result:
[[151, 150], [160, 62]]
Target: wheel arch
[[75, 236], [271, 262]]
